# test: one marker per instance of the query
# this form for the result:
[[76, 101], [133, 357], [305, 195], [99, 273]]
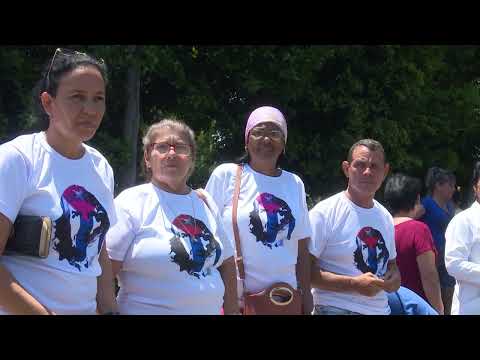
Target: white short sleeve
[[227, 244], [304, 229], [391, 238], [112, 180], [222, 235], [216, 186], [14, 181], [113, 215], [120, 236], [319, 237]]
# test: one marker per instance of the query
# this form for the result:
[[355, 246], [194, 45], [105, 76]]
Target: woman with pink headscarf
[[272, 214]]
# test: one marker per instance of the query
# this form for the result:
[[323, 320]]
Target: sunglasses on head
[[68, 53]]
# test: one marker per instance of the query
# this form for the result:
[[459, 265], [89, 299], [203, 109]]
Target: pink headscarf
[[266, 114]]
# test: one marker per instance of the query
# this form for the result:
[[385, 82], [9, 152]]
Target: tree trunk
[[131, 125]]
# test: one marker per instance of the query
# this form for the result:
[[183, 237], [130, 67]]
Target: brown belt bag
[[278, 299]]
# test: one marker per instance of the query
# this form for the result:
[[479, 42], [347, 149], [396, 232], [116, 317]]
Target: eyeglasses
[[272, 134], [164, 148], [67, 52]]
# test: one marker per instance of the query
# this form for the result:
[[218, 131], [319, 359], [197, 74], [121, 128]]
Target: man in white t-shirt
[[353, 240]]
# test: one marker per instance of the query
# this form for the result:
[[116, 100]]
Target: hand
[[307, 303], [235, 313], [367, 284], [391, 280], [231, 310], [50, 312], [418, 211]]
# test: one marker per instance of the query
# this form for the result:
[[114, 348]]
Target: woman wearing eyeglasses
[[168, 248], [52, 173], [272, 215]]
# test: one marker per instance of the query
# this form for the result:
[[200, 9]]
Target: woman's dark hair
[[476, 173], [436, 175], [64, 61], [401, 192], [281, 161]]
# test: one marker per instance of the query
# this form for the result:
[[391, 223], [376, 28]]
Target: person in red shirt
[[416, 252]]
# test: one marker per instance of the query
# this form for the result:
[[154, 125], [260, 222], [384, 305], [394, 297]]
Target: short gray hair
[[174, 124], [372, 145]]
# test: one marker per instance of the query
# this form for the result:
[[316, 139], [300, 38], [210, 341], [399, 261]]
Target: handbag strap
[[202, 196], [236, 234]]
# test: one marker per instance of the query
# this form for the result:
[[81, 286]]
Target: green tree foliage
[[421, 102]]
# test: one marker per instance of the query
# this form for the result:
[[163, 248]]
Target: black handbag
[[31, 235]]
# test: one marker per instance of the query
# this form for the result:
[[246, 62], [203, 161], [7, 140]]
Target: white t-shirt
[[350, 240], [171, 246], [462, 259], [78, 196], [272, 216]]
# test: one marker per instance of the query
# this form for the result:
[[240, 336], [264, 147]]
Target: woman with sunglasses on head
[[168, 247], [54, 174], [271, 214]]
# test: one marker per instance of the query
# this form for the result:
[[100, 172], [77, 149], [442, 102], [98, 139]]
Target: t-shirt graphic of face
[[371, 254], [193, 246], [83, 224], [270, 217]]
